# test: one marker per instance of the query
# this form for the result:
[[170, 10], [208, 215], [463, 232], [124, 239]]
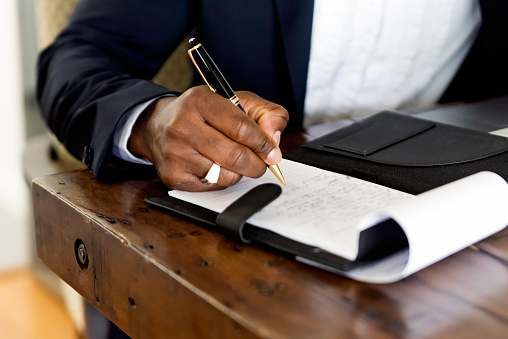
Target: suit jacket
[[100, 65]]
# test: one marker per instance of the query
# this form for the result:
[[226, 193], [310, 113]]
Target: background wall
[[15, 229], [26, 26]]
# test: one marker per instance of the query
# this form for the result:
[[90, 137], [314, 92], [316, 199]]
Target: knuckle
[[168, 177], [245, 134], [185, 184], [168, 180], [179, 133], [280, 113], [243, 129], [284, 118], [260, 172], [192, 101], [237, 157], [172, 174], [264, 146], [193, 93], [211, 142], [230, 178]]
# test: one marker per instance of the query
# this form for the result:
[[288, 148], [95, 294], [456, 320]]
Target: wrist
[[142, 131]]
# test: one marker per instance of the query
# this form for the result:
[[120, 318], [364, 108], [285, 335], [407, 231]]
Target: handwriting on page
[[323, 202], [328, 210], [315, 203]]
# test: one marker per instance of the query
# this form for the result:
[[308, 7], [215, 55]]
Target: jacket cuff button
[[87, 156]]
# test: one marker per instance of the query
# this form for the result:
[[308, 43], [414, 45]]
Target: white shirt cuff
[[123, 132]]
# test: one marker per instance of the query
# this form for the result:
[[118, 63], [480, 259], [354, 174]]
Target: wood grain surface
[[158, 276]]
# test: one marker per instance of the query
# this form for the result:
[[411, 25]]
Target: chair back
[[52, 16]]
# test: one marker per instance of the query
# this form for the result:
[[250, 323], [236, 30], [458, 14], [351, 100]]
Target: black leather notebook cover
[[406, 153], [374, 243], [394, 150]]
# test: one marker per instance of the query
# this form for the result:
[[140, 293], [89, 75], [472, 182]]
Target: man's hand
[[183, 136]]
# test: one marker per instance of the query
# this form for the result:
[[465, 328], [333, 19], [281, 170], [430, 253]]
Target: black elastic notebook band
[[233, 218]]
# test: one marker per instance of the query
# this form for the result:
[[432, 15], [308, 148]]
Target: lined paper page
[[317, 207], [501, 132], [441, 222], [327, 210]]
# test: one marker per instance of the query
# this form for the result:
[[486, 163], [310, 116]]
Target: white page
[[503, 132], [443, 221], [317, 207], [327, 210]]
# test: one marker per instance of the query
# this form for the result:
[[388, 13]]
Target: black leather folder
[[406, 153], [374, 243], [391, 149]]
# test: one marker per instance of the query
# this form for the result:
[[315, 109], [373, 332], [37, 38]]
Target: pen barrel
[[218, 84], [211, 73]]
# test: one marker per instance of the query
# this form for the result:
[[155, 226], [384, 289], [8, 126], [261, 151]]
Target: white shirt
[[370, 55]]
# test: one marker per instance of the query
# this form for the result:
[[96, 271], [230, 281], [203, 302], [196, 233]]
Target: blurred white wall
[[15, 231]]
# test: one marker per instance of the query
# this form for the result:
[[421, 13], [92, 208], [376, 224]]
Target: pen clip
[[190, 52], [211, 73]]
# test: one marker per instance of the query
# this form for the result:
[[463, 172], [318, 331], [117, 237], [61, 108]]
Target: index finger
[[240, 127], [271, 117]]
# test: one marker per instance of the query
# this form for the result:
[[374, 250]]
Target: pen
[[218, 84]]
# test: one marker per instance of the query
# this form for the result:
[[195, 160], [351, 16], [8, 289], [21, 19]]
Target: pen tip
[[276, 170]]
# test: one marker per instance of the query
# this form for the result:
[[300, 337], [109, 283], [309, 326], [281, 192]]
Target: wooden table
[[158, 276]]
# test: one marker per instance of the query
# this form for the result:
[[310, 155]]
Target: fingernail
[[274, 157], [276, 137]]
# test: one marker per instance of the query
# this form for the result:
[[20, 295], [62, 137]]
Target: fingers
[[272, 118], [259, 130], [193, 178], [184, 136], [231, 155]]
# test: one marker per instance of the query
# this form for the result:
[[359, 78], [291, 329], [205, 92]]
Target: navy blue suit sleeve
[[100, 66]]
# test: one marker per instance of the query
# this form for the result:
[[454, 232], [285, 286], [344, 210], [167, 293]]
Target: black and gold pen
[[218, 84]]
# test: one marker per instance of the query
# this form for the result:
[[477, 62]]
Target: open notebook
[[328, 211]]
